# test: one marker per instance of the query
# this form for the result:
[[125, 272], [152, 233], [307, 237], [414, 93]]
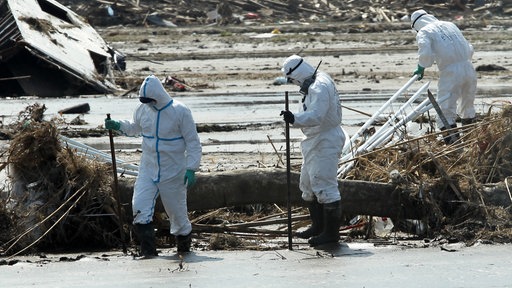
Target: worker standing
[[319, 118], [171, 153], [442, 42]]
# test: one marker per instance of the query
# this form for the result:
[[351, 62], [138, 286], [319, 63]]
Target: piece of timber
[[268, 186]]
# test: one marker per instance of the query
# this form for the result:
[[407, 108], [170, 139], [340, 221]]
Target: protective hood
[[153, 88], [295, 67], [420, 18]]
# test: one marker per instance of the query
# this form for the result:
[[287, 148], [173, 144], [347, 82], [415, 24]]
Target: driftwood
[[268, 186], [129, 12]]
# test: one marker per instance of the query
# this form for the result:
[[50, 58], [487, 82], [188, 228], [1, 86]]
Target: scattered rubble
[[64, 201], [176, 13], [59, 200]]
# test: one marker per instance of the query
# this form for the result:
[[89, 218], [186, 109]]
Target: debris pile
[[58, 200], [172, 13], [63, 201], [49, 51], [465, 184]]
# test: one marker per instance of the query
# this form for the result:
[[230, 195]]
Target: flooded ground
[[254, 117], [230, 74]]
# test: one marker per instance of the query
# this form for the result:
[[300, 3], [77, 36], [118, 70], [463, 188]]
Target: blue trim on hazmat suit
[[170, 146]]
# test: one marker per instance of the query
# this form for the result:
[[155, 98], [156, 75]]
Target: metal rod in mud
[[288, 175], [115, 190]]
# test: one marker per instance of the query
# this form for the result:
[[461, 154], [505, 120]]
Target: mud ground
[[347, 265], [224, 61], [244, 59]]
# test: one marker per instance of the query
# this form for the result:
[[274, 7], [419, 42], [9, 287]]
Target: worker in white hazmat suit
[[171, 153], [319, 118], [442, 42]]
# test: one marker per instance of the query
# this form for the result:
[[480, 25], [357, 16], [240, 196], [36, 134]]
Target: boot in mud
[[317, 219], [183, 243], [146, 235], [332, 222]]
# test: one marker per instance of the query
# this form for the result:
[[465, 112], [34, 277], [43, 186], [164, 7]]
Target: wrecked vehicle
[[47, 50]]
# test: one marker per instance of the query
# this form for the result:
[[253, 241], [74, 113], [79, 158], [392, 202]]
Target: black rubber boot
[[146, 235], [467, 121], [317, 221], [452, 137], [332, 222], [184, 242]]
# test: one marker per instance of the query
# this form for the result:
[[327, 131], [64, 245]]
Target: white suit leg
[[174, 198], [143, 200], [305, 184], [468, 92], [319, 175], [324, 179], [445, 89]]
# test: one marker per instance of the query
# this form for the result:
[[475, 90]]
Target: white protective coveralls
[[170, 146], [319, 118], [443, 43]]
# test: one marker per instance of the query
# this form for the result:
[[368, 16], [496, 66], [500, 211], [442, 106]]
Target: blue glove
[[190, 178], [112, 124], [419, 71], [288, 116]]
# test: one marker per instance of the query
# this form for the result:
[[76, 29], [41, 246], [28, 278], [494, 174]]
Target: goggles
[[294, 68], [146, 100], [414, 22]]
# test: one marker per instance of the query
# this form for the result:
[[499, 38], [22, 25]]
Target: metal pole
[[288, 175], [441, 115], [115, 190], [379, 112]]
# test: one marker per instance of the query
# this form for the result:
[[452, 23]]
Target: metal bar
[[381, 109], [288, 175], [115, 190]]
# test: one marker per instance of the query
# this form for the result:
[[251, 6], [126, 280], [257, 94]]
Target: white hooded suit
[[443, 43], [319, 118], [170, 146]]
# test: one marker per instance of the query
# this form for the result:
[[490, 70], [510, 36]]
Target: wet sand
[[347, 265]]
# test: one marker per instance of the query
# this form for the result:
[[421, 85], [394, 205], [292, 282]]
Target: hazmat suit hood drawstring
[[296, 68], [152, 88], [420, 18]]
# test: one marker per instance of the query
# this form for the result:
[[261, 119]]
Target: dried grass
[[483, 156], [65, 200], [58, 194]]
